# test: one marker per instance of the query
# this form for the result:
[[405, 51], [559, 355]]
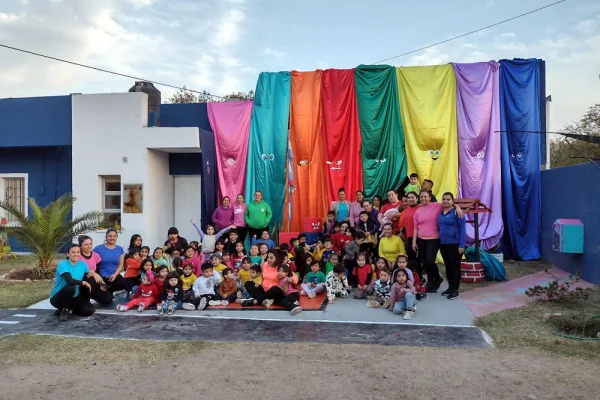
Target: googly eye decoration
[[480, 155], [512, 155], [303, 162], [383, 160], [271, 157], [339, 162], [264, 157], [230, 162], [519, 156]]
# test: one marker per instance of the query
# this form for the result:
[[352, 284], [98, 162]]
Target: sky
[[222, 45]]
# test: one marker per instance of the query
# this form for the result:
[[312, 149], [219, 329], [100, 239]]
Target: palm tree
[[48, 229]]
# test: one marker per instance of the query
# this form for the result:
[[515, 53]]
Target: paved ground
[[511, 294], [180, 327]]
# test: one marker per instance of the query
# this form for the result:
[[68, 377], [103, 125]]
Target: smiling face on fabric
[[434, 154]]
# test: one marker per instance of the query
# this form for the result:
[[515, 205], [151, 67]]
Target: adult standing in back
[[408, 224], [258, 215], [223, 215], [239, 221], [393, 204], [452, 243], [111, 264], [356, 207], [426, 238], [341, 207]]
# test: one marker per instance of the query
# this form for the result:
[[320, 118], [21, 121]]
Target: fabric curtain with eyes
[[428, 109], [341, 134], [268, 144], [478, 118], [309, 197], [230, 121], [382, 135], [521, 176]]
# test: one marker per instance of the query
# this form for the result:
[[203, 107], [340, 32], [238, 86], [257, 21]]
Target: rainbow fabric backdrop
[[306, 134]]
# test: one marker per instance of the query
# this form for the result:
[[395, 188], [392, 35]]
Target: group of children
[[215, 270]]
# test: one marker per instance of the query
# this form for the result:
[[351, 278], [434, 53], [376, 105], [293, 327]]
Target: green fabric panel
[[382, 149]]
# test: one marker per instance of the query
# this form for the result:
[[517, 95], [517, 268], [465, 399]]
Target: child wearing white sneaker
[[314, 281], [379, 293], [402, 297], [204, 289], [144, 296], [171, 295], [228, 287], [337, 283]]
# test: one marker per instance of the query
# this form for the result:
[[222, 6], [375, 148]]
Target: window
[[13, 190], [111, 198]]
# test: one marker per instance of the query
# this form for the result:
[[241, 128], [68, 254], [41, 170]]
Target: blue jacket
[[452, 228]]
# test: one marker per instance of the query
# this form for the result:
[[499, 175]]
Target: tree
[[50, 228], [186, 96], [568, 151]]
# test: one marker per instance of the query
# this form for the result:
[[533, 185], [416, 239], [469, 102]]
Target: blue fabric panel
[[543, 126], [209, 178], [521, 182]]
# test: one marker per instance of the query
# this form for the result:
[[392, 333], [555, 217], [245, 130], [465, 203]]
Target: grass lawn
[[525, 328], [8, 263], [515, 270], [23, 294], [35, 349]]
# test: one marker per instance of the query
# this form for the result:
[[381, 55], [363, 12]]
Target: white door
[[187, 205]]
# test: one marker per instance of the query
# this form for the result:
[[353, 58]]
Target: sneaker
[[454, 295], [247, 302], [311, 295], [267, 303], [386, 304], [239, 294], [214, 303], [171, 309], [296, 310], [421, 296], [446, 292], [239, 301], [141, 307], [203, 303], [373, 304], [224, 303], [408, 314], [188, 306], [161, 311], [303, 293], [64, 314], [121, 307]]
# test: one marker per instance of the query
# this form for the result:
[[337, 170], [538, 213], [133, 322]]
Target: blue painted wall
[[49, 173], [35, 121], [573, 192]]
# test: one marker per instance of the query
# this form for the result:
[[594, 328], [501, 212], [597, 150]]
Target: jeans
[[176, 305], [452, 259], [320, 288], [427, 249], [406, 304]]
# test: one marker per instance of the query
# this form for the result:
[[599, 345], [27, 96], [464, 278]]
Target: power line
[[470, 33], [106, 71]]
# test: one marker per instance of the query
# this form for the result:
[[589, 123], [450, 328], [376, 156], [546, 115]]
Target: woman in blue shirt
[[341, 208], [452, 243], [71, 292], [110, 267]]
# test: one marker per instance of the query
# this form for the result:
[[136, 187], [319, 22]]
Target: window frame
[[25, 177], [104, 193]]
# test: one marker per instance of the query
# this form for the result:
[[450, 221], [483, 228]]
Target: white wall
[[109, 127], [187, 205]]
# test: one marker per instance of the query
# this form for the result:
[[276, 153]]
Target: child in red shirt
[[363, 273], [144, 296], [133, 264]]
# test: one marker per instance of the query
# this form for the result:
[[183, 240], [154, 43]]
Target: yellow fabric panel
[[428, 110]]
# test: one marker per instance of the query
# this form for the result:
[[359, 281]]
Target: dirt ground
[[309, 371]]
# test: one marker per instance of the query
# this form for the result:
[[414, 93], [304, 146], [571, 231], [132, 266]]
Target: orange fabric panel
[[309, 199]]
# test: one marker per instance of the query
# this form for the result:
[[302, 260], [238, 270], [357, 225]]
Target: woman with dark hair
[[452, 243], [356, 207], [270, 292], [426, 238], [407, 224], [390, 245], [377, 201], [111, 265], [341, 207], [239, 222], [71, 292], [223, 215], [257, 216]]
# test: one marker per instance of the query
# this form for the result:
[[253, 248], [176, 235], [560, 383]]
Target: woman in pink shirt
[[426, 239], [239, 222], [88, 256], [270, 292]]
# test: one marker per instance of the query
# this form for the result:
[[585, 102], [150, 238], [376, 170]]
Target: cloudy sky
[[222, 45]]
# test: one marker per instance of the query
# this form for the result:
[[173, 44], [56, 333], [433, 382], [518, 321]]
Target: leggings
[[80, 304], [410, 253], [452, 259], [275, 293], [105, 297], [146, 301], [427, 250]]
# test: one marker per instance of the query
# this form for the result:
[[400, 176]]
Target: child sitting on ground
[[257, 279], [318, 250], [328, 246], [362, 274], [255, 254], [171, 295], [187, 282], [337, 283], [291, 301], [402, 296], [263, 251], [209, 239], [334, 258], [314, 281], [204, 290], [402, 263], [413, 266], [192, 258], [228, 287], [144, 296], [265, 238], [219, 248], [144, 252], [244, 273], [217, 264], [329, 223], [231, 241], [132, 271], [379, 292], [177, 266], [158, 259], [159, 281], [175, 255], [236, 260], [380, 264]]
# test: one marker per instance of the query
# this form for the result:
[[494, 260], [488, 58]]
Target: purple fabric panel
[[479, 165]]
